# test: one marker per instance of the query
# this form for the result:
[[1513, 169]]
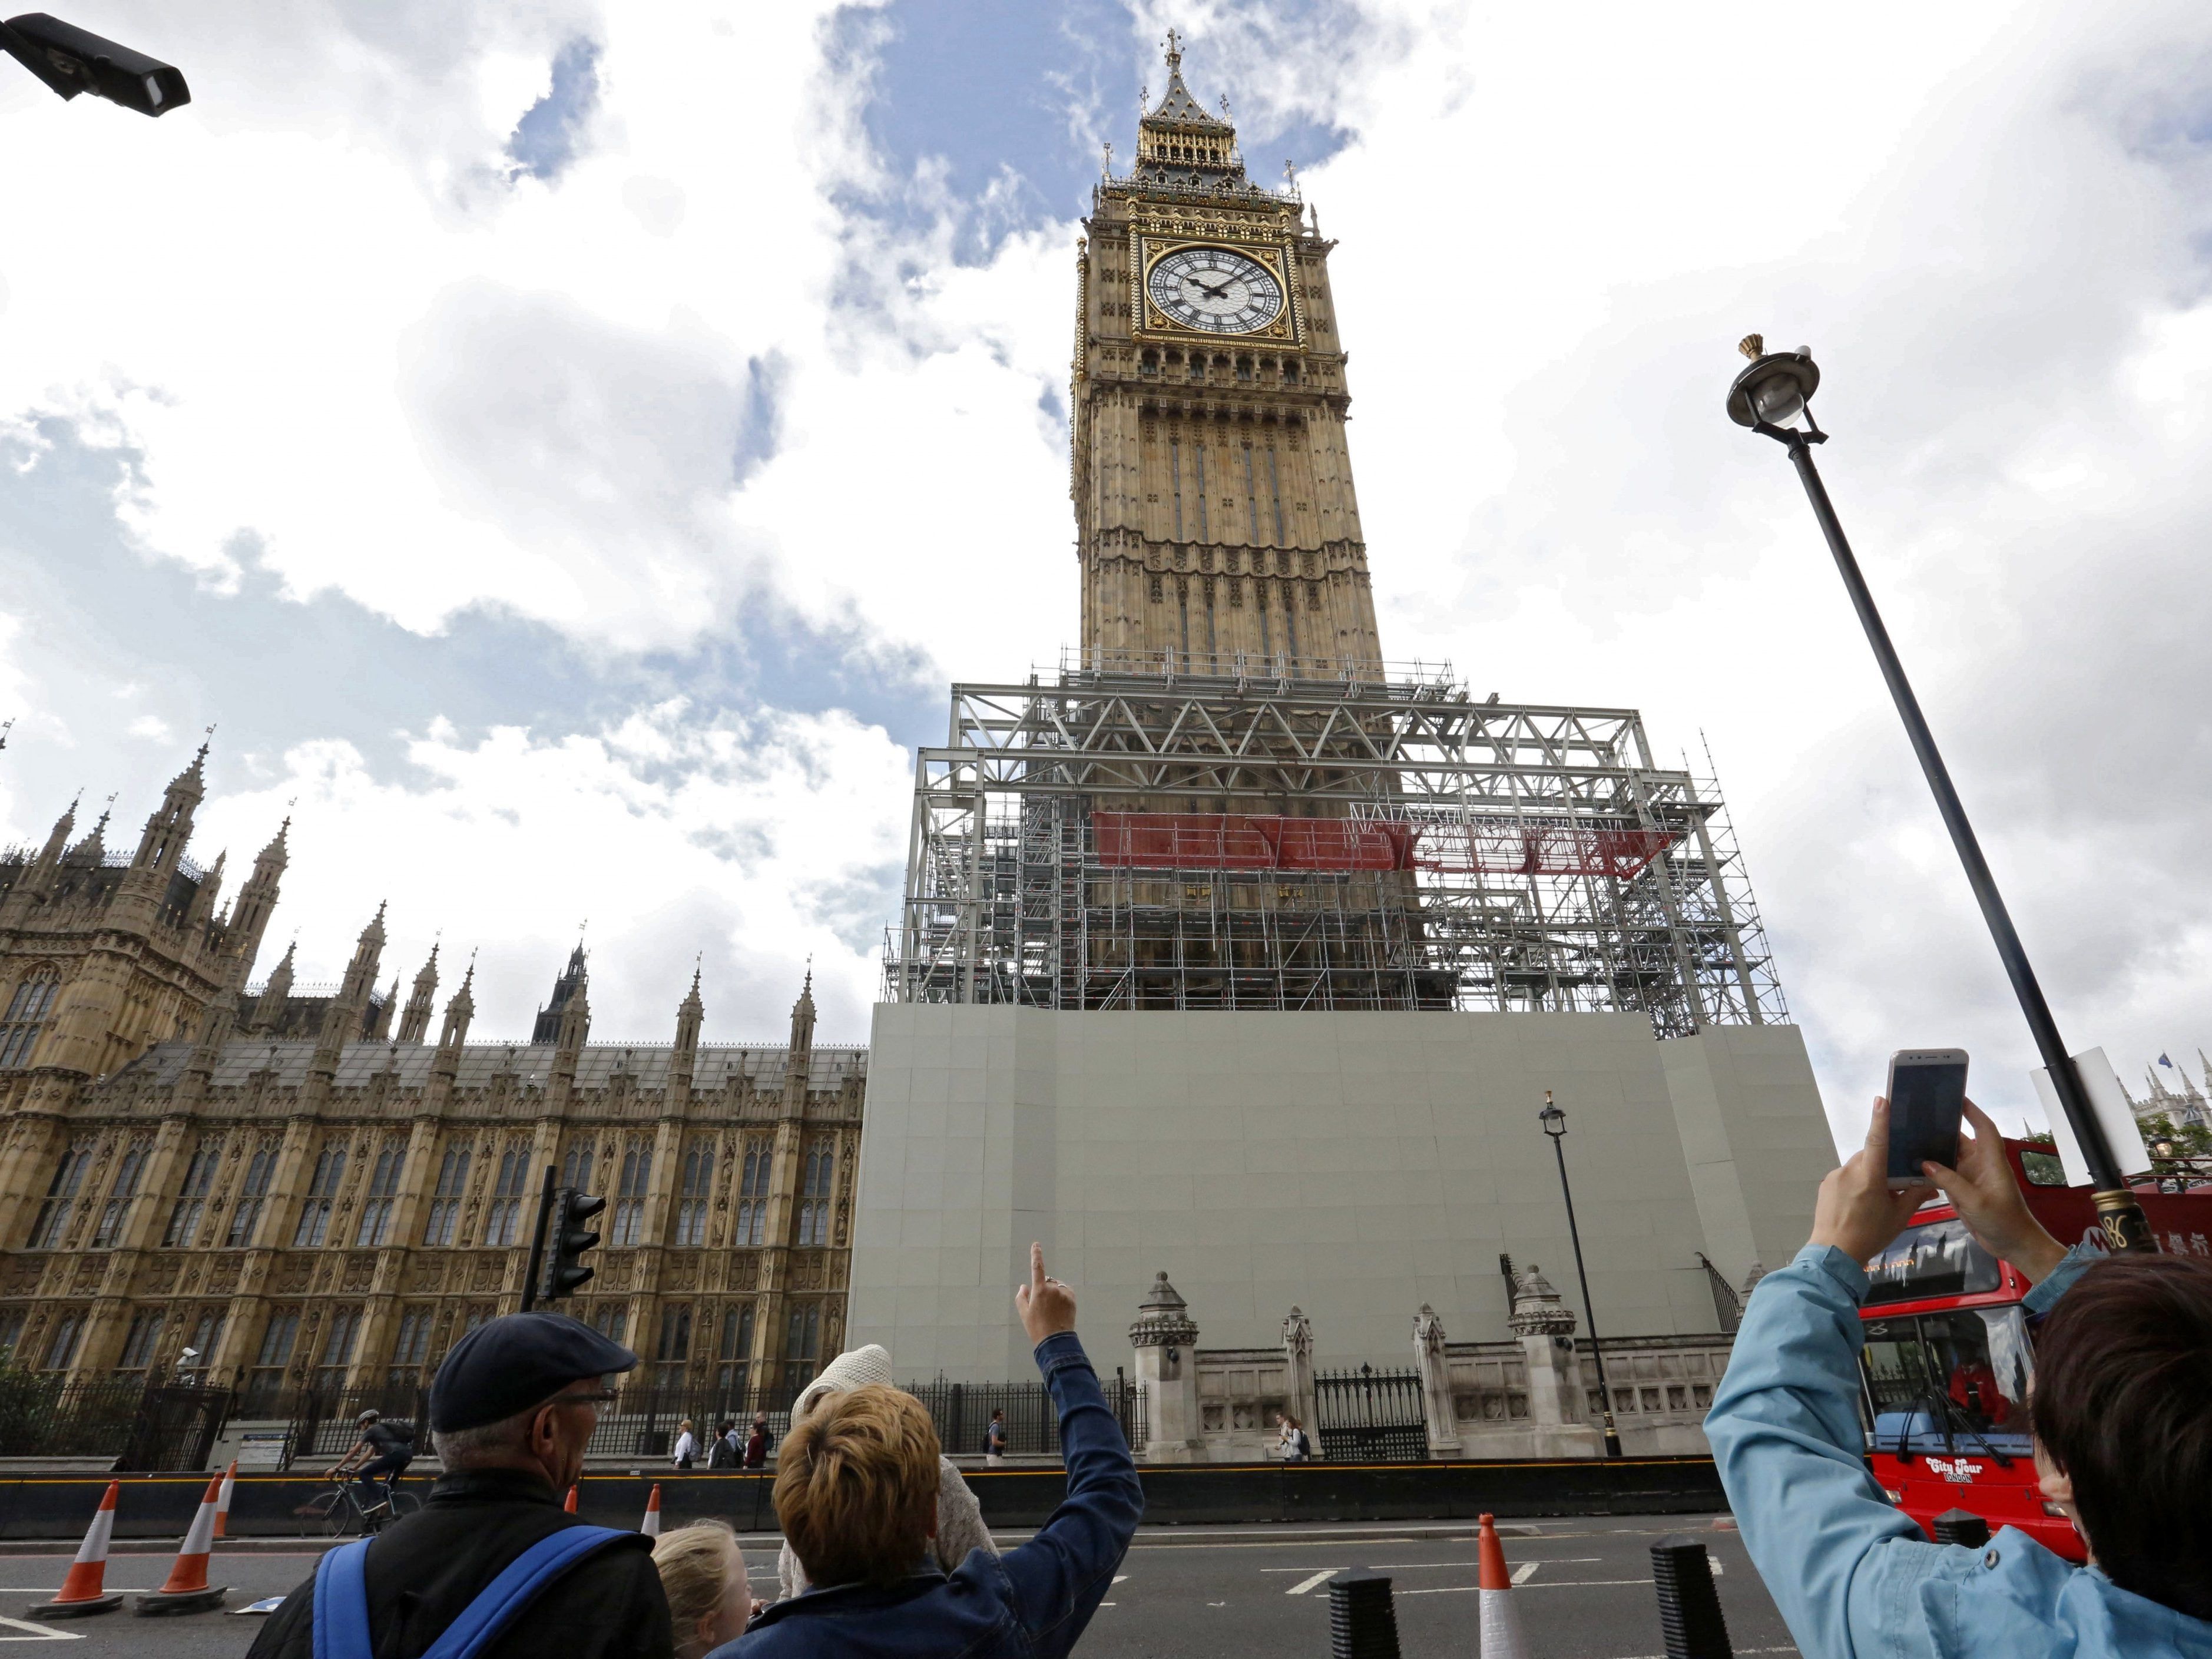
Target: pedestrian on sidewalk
[[687, 1446], [994, 1442], [2123, 1441], [757, 1442]]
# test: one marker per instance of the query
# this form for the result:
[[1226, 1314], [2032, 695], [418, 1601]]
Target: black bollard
[[1362, 1622], [1961, 1526], [1689, 1607]]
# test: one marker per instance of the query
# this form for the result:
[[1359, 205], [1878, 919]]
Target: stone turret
[[1165, 1339], [415, 1024]]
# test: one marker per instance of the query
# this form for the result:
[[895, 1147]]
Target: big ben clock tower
[[1214, 506]]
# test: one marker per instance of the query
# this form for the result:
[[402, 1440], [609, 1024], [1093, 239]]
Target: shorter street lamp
[[1555, 1125], [71, 60], [1770, 396]]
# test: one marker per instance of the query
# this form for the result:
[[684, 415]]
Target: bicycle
[[338, 1513]]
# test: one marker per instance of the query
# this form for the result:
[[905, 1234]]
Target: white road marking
[[1119, 1578], [1305, 1584], [1525, 1571], [1557, 1583], [1299, 1568], [1423, 1566], [38, 1633]]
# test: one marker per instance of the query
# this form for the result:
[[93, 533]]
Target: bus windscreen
[[1938, 1258]]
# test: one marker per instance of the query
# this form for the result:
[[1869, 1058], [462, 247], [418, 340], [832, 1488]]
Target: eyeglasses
[[596, 1397]]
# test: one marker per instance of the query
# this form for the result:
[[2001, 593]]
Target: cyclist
[[384, 1449]]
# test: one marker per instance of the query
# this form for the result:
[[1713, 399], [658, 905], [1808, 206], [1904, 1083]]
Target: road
[[1187, 1592]]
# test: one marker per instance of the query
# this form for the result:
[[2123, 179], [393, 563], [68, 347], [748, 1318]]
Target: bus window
[[2044, 1169], [1981, 1356], [1895, 1365], [1947, 1381], [1939, 1258]]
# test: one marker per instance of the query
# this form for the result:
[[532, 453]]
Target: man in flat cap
[[512, 1409]]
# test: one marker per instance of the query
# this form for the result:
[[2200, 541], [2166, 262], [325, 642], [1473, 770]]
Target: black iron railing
[[1369, 1416]]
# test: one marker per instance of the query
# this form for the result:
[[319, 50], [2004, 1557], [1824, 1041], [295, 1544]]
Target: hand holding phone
[[1927, 1098]]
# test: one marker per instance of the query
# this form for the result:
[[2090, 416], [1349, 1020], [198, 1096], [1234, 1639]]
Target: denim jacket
[[1853, 1577], [1031, 1602]]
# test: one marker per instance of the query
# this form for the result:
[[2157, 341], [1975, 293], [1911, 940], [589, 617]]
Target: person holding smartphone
[[2123, 1439]]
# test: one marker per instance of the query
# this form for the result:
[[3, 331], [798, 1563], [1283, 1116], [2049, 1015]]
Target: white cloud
[[671, 834]]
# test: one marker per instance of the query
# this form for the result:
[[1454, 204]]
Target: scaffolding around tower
[[1278, 834]]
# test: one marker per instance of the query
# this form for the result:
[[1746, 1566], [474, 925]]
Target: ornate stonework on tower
[[1216, 517]]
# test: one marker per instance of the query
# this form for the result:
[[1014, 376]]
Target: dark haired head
[[2123, 1406]]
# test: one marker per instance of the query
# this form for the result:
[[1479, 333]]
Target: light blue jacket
[[1854, 1577]]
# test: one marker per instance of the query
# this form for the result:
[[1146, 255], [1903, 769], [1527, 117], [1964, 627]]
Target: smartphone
[[1927, 1098]]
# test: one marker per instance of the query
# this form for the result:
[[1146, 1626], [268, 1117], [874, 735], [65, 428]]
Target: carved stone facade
[[266, 1177]]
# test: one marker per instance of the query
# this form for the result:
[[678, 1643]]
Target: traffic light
[[71, 60], [565, 1242]]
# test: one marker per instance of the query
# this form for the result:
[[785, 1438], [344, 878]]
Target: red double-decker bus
[[1949, 1356]]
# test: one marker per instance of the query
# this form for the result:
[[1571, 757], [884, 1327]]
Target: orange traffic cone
[[651, 1525], [187, 1591], [569, 1502], [223, 1502], [81, 1591], [1501, 1626]]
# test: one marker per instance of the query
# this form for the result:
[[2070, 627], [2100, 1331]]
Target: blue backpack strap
[[513, 1591], [341, 1603]]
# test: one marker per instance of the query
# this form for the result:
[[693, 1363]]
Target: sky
[[565, 450]]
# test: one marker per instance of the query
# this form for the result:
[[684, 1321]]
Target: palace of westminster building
[[275, 1186]]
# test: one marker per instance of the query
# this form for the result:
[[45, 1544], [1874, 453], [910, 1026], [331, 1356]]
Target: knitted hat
[[856, 1368]]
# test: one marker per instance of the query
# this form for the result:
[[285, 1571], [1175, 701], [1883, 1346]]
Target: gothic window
[[691, 1204], [630, 1194], [1275, 494], [61, 1197], [1313, 596], [322, 1194], [814, 1197], [61, 1346], [1157, 595], [191, 1202], [252, 1197], [11, 1333], [802, 1338], [338, 1340], [503, 1220], [737, 1348], [609, 1319], [207, 1331], [376, 1204], [138, 1346], [120, 1193], [1291, 620], [265, 1383], [674, 1351], [27, 1016], [446, 1199], [1291, 371], [752, 1198], [411, 1349], [576, 1167]]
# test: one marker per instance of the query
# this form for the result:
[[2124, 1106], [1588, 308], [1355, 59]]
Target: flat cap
[[510, 1363]]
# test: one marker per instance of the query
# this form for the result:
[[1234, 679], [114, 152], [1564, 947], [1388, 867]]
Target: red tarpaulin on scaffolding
[[1224, 840]]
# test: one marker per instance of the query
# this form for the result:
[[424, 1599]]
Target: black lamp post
[[1768, 397], [71, 60], [1555, 1125]]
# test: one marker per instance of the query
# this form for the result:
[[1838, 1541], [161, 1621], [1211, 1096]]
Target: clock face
[[1214, 289]]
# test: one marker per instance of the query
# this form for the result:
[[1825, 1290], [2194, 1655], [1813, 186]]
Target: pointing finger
[[1038, 1280]]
